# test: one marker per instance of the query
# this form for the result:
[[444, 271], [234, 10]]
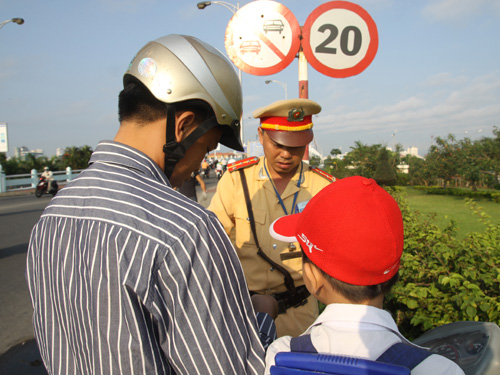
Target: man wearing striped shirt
[[127, 275]]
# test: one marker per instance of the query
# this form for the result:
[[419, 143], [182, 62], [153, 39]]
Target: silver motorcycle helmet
[[175, 68]]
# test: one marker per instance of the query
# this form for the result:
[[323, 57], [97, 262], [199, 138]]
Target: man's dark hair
[[135, 102], [356, 293]]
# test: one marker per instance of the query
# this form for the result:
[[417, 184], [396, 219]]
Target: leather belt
[[287, 300]]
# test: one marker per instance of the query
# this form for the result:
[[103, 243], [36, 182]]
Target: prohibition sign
[[340, 39], [262, 38]]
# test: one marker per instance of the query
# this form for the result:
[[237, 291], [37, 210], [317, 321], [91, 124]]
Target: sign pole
[[303, 88]]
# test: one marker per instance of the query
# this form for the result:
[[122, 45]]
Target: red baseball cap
[[352, 230]]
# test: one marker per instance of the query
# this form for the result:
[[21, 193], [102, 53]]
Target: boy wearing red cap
[[351, 235]]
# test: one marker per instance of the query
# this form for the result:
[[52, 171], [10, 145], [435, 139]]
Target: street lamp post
[[19, 21], [233, 9], [282, 84]]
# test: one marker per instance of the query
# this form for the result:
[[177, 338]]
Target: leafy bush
[[443, 279], [461, 193]]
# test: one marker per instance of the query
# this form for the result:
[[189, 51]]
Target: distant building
[[60, 151], [36, 152], [403, 168], [23, 151], [20, 152], [411, 151]]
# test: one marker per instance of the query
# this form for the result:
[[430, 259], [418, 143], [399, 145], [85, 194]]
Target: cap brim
[[290, 138], [284, 228]]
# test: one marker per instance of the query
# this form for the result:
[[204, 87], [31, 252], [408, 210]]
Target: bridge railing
[[28, 181]]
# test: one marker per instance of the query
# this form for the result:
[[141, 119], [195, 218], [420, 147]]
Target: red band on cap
[[282, 123]]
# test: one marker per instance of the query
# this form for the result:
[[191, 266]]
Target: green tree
[[362, 159], [442, 158], [469, 162], [3, 159], [419, 173], [334, 166], [314, 161], [76, 157], [385, 173], [335, 151], [490, 153], [475, 162]]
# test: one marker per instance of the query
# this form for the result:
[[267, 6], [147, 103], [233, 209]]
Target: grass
[[447, 208]]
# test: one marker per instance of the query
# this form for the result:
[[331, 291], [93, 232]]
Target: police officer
[[259, 190]]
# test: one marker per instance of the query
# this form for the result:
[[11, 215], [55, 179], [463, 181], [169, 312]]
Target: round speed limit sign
[[340, 39]]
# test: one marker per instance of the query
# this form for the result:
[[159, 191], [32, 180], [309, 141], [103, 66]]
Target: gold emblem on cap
[[295, 115]]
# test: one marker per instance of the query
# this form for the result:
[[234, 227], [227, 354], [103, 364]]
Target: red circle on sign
[[252, 14], [325, 69]]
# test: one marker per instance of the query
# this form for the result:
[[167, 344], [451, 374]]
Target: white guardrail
[[18, 182]]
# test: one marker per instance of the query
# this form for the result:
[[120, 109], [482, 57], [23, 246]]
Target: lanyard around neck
[[276, 190]]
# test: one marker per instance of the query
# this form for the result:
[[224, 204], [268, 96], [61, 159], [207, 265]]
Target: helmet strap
[[175, 151]]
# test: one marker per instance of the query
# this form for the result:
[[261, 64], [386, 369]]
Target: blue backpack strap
[[302, 344], [398, 354], [404, 355]]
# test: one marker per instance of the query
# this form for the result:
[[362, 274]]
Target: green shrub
[[443, 279], [461, 193]]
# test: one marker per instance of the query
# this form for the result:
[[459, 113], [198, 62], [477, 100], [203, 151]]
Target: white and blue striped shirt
[[128, 276]]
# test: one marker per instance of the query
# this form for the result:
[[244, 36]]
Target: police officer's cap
[[289, 122]]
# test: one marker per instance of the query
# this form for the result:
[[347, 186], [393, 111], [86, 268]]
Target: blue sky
[[437, 70]]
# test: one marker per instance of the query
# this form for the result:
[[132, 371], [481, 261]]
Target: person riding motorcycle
[[219, 170], [48, 176], [205, 168]]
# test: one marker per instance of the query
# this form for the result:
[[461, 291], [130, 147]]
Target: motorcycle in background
[[205, 173], [218, 173], [41, 188]]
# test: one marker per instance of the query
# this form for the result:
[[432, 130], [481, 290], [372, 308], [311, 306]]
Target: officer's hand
[[266, 304]]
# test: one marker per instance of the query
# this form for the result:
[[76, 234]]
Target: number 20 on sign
[[339, 39]]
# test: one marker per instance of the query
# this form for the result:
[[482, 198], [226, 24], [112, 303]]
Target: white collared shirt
[[361, 331]]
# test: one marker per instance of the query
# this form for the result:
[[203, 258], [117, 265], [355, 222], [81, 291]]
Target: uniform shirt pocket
[[244, 236]]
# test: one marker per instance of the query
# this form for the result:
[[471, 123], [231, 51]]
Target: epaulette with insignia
[[323, 174], [240, 164]]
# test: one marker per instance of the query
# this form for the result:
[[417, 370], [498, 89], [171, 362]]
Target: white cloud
[[125, 5], [471, 106], [460, 9], [444, 79], [7, 67], [407, 104]]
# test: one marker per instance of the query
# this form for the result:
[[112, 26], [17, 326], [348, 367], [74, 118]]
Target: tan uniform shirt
[[229, 205]]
